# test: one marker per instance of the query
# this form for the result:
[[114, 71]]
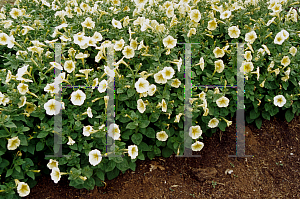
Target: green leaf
[[266, 115], [110, 166], [113, 174], [40, 146], [31, 149], [156, 150], [222, 125], [3, 134], [87, 171], [131, 125], [274, 111], [31, 174], [253, 114], [123, 166], [268, 107], [132, 165], [18, 168], [100, 174], [289, 115], [130, 92], [151, 155], [150, 133], [154, 116], [89, 184], [9, 172], [258, 122], [144, 123], [137, 138], [43, 134], [143, 146], [10, 124], [166, 152]]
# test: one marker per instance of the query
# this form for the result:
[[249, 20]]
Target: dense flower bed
[[149, 80]]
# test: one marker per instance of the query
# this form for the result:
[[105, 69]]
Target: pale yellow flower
[[114, 131], [293, 51], [248, 56], [195, 132], [250, 37], [159, 78], [15, 13], [212, 24], [78, 97], [151, 90], [141, 106], [225, 14], [218, 52], [191, 32], [69, 66], [133, 151], [162, 136], [13, 143], [177, 119], [119, 45], [279, 100], [95, 157], [197, 146], [142, 85], [168, 72], [176, 83], [97, 36], [234, 32], [169, 42], [23, 189], [52, 107], [279, 38], [219, 66], [170, 12], [222, 102], [213, 123], [195, 15], [164, 106], [23, 101], [102, 86], [116, 24], [246, 67], [22, 88], [3, 38], [285, 61], [71, 141], [128, 52]]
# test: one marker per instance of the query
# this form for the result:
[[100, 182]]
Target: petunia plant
[[148, 78]]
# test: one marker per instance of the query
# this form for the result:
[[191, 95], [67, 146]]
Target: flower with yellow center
[[13, 143], [3, 38], [279, 100], [225, 14], [23, 101], [191, 32], [102, 86], [266, 49], [218, 52], [134, 44], [116, 24], [246, 67], [52, 107], [22, 88], [97, 36], [212, 24], [114, 131], [95, 157], [119, 45], [248, 55], [88, 130], [133, 151], [52, 164], [162, 136], [170, 12], [219, 66], [23, 189], [213, 123], [262, 84], [71, 141], [51, 88], [151, 90], [222, 102], [30, 107], [86, 72], [293, 51], [197, 146], [164, 106], [285, 61], [195, 15], [159, 78], [78, 97], [234, 32], [195, 132], [250, 37], [168, 72], [69, 66], [141, 85], [15, 13], [177, 119], [169, 42], [88, 23], [56, 65], [141, 106], [160, 28], [227, 122], [279, 38], [176, 83], [128, 52], [257, 73]]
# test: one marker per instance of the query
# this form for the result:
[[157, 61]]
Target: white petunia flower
[[168, 72], [218, 52], [55, 174], [293, 51], [119, 45], [197, 146], [213, 123], [176, 83], [195, 15], [219, 66], [162, 136], [169, 42], [95, 157], [78, 97], [212, 24], [87, 130], [23, 189], [279, 100], [250, 37], [128, 52], [69, 66], [13, 143], [225, 14], [116, 24], [23, 101], [159, 78], [22, 88], [52, 107], [15, 13], [164, 105], [279, 38], [141, 85], [102, 86], [88, 23], [141, 106], [285, 61], [234, 32], [114, 131], [195, 132], [151, 90], [71, 141], [52, 164], [97, 36], [133, 151], [51, 88], [222, 102]]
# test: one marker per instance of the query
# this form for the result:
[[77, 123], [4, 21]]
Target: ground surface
[[260, 176]]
